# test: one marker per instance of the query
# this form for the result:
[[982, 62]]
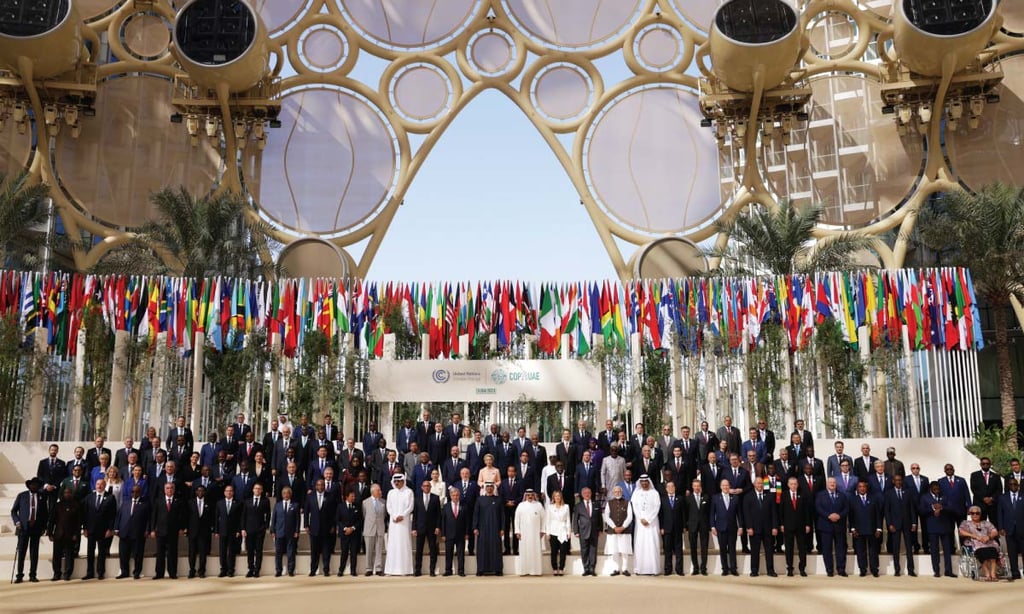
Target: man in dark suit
[[452, 466], [761, 523], [171, 478], [270, 442], [1015, 473], [954, 490], [567, 453], [691, 450], [320, 514], [469, 491], [350, 532], [940, 520], [767, 437], [244, 480], [730, 434], [167, 523], [455, 529], [833, 462], [349, 452], [832, 511], [755, 445], [711, 475], [814, 462], [132, 520], [122, 454], [725, 510], [438, 445], [78, 460], [784, 467], [900, 514], [805, 436], [795, 522], [866, 510], [475, 455], [510, 492], [241, 428], [248, 448], [372, 437], [424, 429], [587, 475], [99, 512], [846, 481], [201, 516], [586, 525], [51, 471], [671, 518], [607, 437], [228, 529], [255, 521], [319, 464], [522, 443], [707, 441], [878, 482], [917, 485], [680, 464], [30, 516], [284, 530], [1011, 524], [78, 483], [180, 430], [986, 486], [405, 436], [208, 453], [864, 465], [426, 526], [698, 525], [559, 480], [92, 457]]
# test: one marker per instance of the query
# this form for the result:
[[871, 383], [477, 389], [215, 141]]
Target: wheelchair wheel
[[968, 566]]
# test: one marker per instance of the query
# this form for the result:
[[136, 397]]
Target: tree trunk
[[1006, 400]]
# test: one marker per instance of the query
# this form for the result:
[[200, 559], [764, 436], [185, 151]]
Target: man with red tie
[[454, 531]]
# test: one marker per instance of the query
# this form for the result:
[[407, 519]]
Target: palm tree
[[22, 213], [984, 232], [781, 242]]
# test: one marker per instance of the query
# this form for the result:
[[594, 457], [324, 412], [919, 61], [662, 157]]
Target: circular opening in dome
[[24, 19], [947, 17], [215, 32], [756, 22]]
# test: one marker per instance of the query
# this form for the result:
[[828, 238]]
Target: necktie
[[200, 506], [287, 507], [319, 501], [426, 501], [131, 512], [726, 498], [51, 464], [455, 510], [986, 477], [227, 505], [899, 495], [760, 498], [686, 445], [588, 508], [863, 500], [256, 502], [950, 481], [321, 465], [793, 496], [76, 484], [168, 504], [671, 503], [376, 507], [99, 499], [32, 509], [1013, 499], [677, 464]]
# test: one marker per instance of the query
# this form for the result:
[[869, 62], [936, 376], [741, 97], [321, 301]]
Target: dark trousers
[[167, 555], [702, 538], [27, 544], [130, 553], [430, 539], [97, 551], [866, 547], [1014, 550], [350, 551], [727, 550], [455, 548], [318, 551], [198, 550], [759, 542], [946, 542], [283, 546], [227, 551], [254, 550], [900, 538], [795, 540], [471, 541], [833, 550], [744, 544], [588, 551], [63, 558], [559, 550], [922, 529], [672, 547], [511, 541]]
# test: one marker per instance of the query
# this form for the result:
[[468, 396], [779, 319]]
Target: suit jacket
[[568, 456], [244, 453], [567, 486], [682, 476], [523, 446], [586, 479], [861, 469], [167, 522], [346, 456], [585, 525], [793, 520], [866, 514], [172, 437], [270, 446], [256, 518], [911, 485], [732, 435], [725, 520], [371, 441], [707, 441], [92, 456], [698, 517], [819, 467], [980, 490], [133, 524], [711, 478], [81, 492], [508, 491], [52, 476], [475, 458], [758, 448], [739, 479], [812, 489], [439, 449], [825, 505], [848, 484], [1011, 517], [450, 470], [895, 467], [1006, 480], [201, 525], [761, 516], [97, 519], [653, 470], [423, 431], [832, 467], [284, 524], [374, 524], [806, 439], [672, 518], [768, 439], [296, 483], [242, 429], [243, 483], [942, 524], [605, 439], [404, 438], [21, 510], [314, 473], [228, 523], [426, 518], [349, 519], [452, 527], [958, 497], [321, 517], [208, 454], [121, 457], [787, 471], [900, 511]]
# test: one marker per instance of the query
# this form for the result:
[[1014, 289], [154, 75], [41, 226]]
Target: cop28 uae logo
[[441, 376], [499, 376]]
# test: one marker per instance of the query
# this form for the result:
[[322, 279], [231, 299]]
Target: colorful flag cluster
[[936, 306]]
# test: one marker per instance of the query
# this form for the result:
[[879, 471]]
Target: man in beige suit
[[374, 510]]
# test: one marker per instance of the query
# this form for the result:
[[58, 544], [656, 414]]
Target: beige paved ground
[[886, 595]]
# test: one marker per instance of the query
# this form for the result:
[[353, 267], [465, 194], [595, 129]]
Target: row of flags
[[937, 306]]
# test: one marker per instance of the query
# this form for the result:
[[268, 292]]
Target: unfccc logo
[[441, 376], [499, 376]]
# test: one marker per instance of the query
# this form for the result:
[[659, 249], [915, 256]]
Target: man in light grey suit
[[586, 525], [374, 510]]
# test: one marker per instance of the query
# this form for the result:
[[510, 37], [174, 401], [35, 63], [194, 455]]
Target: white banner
[[484, 380]]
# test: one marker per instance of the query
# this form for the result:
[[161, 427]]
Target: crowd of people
[[497, 494]]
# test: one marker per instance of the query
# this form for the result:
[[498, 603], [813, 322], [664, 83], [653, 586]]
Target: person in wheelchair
[[982, 537]]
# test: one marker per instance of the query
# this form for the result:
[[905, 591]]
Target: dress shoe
[[863, 573], [447, 574], [830, 574], [680, 573], [616, 572], [88, 576], [191, 575], [897, 573], [753, 575], [462, 574], [341, 573], [67, 578], [803, 574], [938, 575], [121, 576], [433, 574], [248, 574], [100, 577], [499, 574], [158, 577], [136, 576], [735, 573], [33, 579], [277, 574], [772, 574], [479, 574], [725, 573], [291, 574], [789, 574], [746, 551], [17, 580], [354, 574], [874, 574], [694, 571], [55, 578], [173, 577], [703, 572], [950, 575], [626, 573], [368, 573], [843, 574], [380, 573], [312, 574], [222, 574], [255, 574], [912, 574]]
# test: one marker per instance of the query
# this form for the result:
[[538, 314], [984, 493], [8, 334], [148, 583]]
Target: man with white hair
[[399, 507], [646, 504], [529, 529], [618, 517]]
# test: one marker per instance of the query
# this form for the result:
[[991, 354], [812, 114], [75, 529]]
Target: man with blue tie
[[1011, 524], [406, 436], [586, 475], [201, 515], [132, 520], [671, 523], [319, 513], [832, 509], [835, 461], [284, 529], [900, 513], [725, 526], [761, 521], [866, 528], [755, 444], [451, 468]]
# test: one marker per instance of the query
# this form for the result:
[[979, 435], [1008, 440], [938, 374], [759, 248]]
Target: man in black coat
[[901, 517], [201, 516], [795, 521], [92, 457], [1011, 523], [320, 514], [132, 520], [698, 525], [99, 513], [586, 525], [986, 486], [455, 524], [30, 515], [228, 529], [255, 522], [426, 526], [761, 523], [51, 471], [350, 532], [167, 522], [866, 528], [672, 521]]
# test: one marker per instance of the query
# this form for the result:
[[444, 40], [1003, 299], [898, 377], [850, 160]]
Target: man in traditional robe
[[488, 523], [618, 517], [399, 506], [646, 504], [529, 528]]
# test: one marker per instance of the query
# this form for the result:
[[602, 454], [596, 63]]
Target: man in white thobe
[[399, 505], [529, 529], [618, 517], [646, 504]]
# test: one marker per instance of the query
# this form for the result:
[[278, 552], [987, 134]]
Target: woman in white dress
[[618, 517], [438, 487], [399, 507], [559, 530]]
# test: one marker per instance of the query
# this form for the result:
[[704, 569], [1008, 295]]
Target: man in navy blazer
[[672, 521], [52, 471], [30, 515], [475, 455], [452, 466], [879, 482], [725, 525], [866, 528], [132, 520], [350, 532], [917, 485], [1011, 524], [587, 474], [405, 436], [956, 493], [761, 523], [832, 510], [834, 461], [371, 439], [426, 526], [901, 517], [320, 514], [940, 521], [100, 514], [228, 529], [469, 492], [284, 529], [755, 444], [202, 511]]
